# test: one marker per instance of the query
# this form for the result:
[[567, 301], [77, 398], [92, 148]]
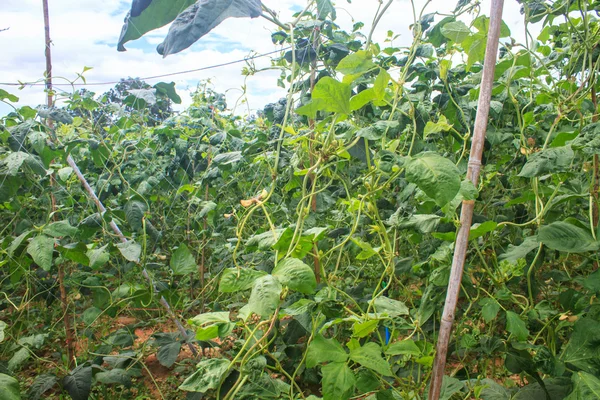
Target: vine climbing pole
[[100, 207], [466, 216]]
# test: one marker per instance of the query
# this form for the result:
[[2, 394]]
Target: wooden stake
[[462, 240]]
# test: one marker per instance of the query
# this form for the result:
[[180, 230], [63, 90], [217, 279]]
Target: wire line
[[149, 77]]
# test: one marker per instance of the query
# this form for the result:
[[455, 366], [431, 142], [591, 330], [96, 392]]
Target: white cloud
[[84, 33]]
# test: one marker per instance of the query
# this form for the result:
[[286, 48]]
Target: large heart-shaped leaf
[[369, 356], [79, 382], [296, 275], [435, 175], [264, 298], [338, 381], [183, 262], [323, 350]]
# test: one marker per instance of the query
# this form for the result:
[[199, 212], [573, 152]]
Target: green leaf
[[583, 348], [550, 160], [41, 249], [9, 387], [134, 213], [404, 347], [381, 83], [16, 242], [356, 64], [235, 280], [18, 359], [264, 298], [208, 333], [4, 95], [325, 8], [209, 318], [321, 350], [228, 158], [79, 382], [516, 326], [98, 257], [563, 236], [585, 386], [450, 386], [90, 315], [493, 391], [478, 230], [130, 250], [425, 223], [369, 356], [167, 354], [514, 253], [338, 381], [41, 385], [475, 46], [489, 309], [436, 127], [311, 108], [208, 375], [3, 326], [14, 161], [168, 89], [361, 330], [361, 99], [183, 262], [456, 31], [391, 307], [377, 130], [296, 275], [334, 95], [435, 175], [60, 229], [206, 207]]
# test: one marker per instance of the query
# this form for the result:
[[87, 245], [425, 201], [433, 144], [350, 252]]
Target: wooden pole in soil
[[70, 341], [462, 240], [100, 206]]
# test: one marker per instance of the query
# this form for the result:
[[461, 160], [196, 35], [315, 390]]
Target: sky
[[85, 32]]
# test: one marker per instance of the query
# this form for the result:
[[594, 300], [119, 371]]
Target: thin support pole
[[466, 217], [123, 239], [69, 339]]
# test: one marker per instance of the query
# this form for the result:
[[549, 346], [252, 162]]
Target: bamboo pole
[[96, 200], [474, 168], [123, 239], [64, 303]]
